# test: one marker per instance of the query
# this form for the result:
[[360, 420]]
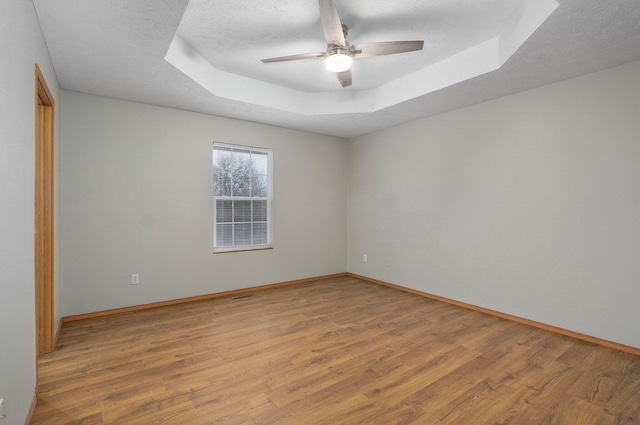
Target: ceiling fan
[[340, 53]]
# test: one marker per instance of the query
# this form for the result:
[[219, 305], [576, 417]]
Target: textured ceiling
[[116, 48], [271, 29], [455, 52]]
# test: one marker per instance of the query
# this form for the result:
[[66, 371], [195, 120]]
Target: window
[[242, 192]]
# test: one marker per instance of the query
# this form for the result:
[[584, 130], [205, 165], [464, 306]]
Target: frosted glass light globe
[[338, 62]]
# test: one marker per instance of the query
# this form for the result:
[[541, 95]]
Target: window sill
[[229, 250]]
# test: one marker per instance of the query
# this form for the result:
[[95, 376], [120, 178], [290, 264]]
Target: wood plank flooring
[[339, 351]]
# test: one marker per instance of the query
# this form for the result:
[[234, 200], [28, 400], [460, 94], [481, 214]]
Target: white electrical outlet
[[2, 414], [135, 279], [364, 258]]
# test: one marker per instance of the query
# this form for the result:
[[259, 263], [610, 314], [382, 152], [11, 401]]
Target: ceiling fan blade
[[345, 78], [331, 24], [295, 57], [382, 48]]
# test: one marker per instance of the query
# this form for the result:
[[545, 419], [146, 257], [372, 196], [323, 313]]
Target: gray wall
[[137, 198], [528, 204], [21, 47]]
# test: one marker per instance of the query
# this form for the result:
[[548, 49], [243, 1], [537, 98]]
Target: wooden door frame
[[44, 105]]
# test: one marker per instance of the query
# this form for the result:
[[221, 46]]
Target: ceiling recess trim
[[480, 59]]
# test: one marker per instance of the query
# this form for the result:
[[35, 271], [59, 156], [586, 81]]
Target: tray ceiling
[[117, 48]]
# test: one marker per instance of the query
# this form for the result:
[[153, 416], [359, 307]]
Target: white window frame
[[268, 198]]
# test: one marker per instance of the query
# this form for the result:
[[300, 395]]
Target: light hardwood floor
[[339, 351]]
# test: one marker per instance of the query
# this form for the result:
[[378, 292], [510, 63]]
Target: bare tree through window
[[242, 196]]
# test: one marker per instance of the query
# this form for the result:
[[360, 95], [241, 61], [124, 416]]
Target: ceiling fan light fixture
[[338, 60]]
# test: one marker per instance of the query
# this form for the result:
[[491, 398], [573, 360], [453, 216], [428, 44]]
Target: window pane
[[260, 162], [259, 186], [224, 235], [243, 155], [242, 211], [224, 211], [221, 186], [222, 171], [243, 186], [259, 234], [242, 234], [241, 170], [259, 210]]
